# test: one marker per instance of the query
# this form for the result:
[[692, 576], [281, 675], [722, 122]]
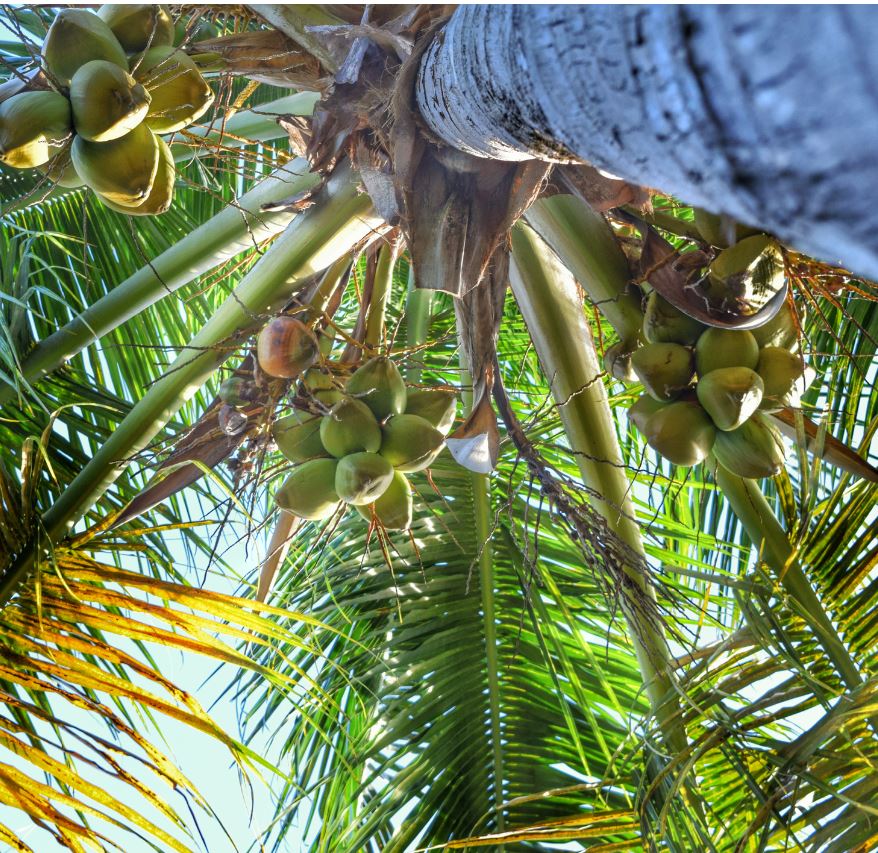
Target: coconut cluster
[[375, 433], [119, 83], [709, 389], [352, 441]]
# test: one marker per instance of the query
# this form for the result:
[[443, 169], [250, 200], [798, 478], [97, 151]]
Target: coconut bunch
[[119, 84], [351, 442], [709, 389]]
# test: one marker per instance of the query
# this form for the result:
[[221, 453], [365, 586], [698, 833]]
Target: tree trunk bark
[[766, 113]]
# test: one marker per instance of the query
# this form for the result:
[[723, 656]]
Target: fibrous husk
[[309, 492], [681, 432], [161, 194], [437, 406], [785, 377], [78, 36], [33, 127], [663, 323], [718, 348], [122, 170], [350, 427], [393, 510], [664, 369], [298, 437], [753, 450], [362, 478], [180, 95], [410, 443], [730, 395], [139, 25], [379, 384], [286, 347], [106, 101]]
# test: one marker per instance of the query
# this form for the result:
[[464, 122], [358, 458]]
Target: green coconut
[[784, 375], [379, 384], [107, 102], [617, 361], [78, 36], [350, 427], [664, 323], [642, 409], [718, 348], [744, 277], [309, 492], [122, 170], [754, 450], [730, 395], [410, 442], [665, 369], [437, 406], [139, 25], [161, 194], [33, 128], [393, 510], [179, 93], [362, 478], [782, 330], [682, 432], [298, 436]]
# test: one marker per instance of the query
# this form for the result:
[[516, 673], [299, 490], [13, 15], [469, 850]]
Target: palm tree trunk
[[767, 114]]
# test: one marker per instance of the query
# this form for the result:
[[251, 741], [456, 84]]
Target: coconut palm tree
[[575, 639]]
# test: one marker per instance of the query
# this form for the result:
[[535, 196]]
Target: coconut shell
[[309, 492], [362, 478], [350, 427]]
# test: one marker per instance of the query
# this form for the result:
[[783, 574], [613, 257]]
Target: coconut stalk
[[585, 243], [418, 316], [552, 309], [341, 218], [239, 227], [773, 546], [377, 308]]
